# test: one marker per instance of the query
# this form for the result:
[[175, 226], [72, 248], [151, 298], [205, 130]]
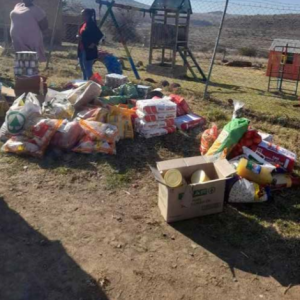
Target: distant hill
[[243, 31], [93, 4]]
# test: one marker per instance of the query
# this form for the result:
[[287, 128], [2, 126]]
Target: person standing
[[28, 21], [89, 38]]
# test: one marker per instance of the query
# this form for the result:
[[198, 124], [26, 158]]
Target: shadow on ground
[[33, 267], [132, 155], [238, 238]]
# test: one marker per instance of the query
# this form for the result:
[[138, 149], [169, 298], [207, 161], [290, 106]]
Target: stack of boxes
[[155, 117], [115, 80], [26, 64]]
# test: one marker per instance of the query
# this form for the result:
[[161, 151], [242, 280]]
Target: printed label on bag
[[253, 167], [15, 122]]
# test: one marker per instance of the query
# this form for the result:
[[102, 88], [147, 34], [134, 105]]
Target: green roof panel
[[183, 6]]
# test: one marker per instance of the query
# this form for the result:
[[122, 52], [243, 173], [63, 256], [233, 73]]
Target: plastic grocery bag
[[121, 117], [229, 137], [57, 106], [21, 115], [208, 137], [42, 133], [244, 191], [129, 90], [68, 135], [85, 94], [100, 131], [88, 146], [238, 109]]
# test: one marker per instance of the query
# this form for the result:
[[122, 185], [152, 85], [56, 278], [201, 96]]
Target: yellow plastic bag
[[121, 117]]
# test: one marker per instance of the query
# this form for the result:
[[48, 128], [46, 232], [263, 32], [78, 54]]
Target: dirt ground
[[88, 228], [75, 227]]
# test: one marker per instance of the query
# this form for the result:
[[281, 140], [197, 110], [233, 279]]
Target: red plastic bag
[[182, 106], [251, 139], [209, 136], [97, 78]]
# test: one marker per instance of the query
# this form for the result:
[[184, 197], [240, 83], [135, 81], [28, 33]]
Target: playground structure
[[169, 31], [284, 67]]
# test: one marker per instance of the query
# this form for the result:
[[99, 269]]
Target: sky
[[245, 7]]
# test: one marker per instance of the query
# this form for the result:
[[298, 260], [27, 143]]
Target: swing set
[[169, 31]]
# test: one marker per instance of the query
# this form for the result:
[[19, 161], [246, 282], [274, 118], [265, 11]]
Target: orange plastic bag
[[208, 138]]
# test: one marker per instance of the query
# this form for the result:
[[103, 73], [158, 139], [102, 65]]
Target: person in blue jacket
[[89, 38]]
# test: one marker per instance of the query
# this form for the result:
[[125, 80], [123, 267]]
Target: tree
[[128, 22]]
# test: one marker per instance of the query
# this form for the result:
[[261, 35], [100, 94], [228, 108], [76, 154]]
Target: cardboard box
[[32, 84], [277, 155], [192, 200]]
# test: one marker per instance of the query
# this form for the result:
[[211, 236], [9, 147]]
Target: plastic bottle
[[282, 181], [199, 177], [254, 172], [254, 156]]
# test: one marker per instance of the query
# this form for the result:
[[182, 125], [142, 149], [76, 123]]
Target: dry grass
[[268, 113]]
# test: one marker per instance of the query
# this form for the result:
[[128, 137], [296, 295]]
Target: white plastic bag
[[244, 191], [238, 107], [57, 106], [21, 114]]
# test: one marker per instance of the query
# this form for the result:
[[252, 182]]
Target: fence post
[[215, 50], [53, 33]]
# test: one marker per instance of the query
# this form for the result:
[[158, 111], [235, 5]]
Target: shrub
[[248, 51]]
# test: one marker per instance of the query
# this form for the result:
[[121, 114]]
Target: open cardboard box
[[192, 200]]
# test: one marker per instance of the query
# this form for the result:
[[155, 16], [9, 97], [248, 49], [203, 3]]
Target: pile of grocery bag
[[91, 117], [261, 166]]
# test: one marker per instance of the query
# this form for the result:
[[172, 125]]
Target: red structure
[[284, 59]]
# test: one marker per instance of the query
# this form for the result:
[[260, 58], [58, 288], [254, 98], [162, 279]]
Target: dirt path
[[65, 235]]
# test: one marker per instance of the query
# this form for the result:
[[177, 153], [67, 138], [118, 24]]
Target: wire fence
[[242, 60]]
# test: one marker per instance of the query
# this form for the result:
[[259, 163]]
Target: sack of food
[[150, 107], [98, 114], [42, 133], [229, 137], [182, 106], [68, 135], [189, 121], [21, 115], [156, 117], [121, 117], [157, 132], [244, 191], [100, 131], [85, 94], [141, 125], [208, 137], [87, 145]]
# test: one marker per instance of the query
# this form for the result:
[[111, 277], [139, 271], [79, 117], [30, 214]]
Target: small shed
[[284, 59]]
